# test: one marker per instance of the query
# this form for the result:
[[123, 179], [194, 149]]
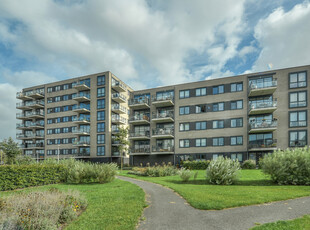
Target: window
[[218, 124], [184, 93], [201, 92], [57, 98], [66, 108], [184, 143], [165, 95], [49, 131], [298, 99], [65, 119], [200, 109], [218, 106], [57, 109], [201, 142], [101, 80], [49, 121], [57, 88], [236, 122], [298, 138], [236, 140], [298, 119], [100, 127], [65, 97], [66, 86], [236, 105], [184, 126], [201, 125], [100, 150], [65, 130], [57, 130], [237, 156], [100, 92], [236, 87], [218, 141], [100, 103], [218, 89], [298, 80], [100, 139], [100, 116], [49, 89], [184, 110], [215, 156]]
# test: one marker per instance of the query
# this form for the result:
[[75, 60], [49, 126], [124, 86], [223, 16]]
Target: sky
[[146, 43]]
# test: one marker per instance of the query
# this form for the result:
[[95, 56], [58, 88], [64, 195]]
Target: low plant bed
[[296, 224]]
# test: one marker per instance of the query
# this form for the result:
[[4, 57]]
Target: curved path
[[167, 210]]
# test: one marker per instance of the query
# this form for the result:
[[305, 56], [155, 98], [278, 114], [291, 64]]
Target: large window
[[201, 92], [200, 109], [184, 126], [100, 127], [100, 116], [236, 122], [218, 141], [298, 80], [184, 110], [101, 80], [236, 105], [261, 82], [184, 93], [298, 138], [166, 95], [100, 92], [235, 156], [218, 89], [100, 139], [100, 103], [298, 99], [218, 124], [298, 119], [100, 150], [184, 143], [236, 140], [218, 106], [201, 142], [201, 125], [236, 87]]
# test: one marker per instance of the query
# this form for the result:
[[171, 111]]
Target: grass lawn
[[296, 224], [115, 205], [253, 188]]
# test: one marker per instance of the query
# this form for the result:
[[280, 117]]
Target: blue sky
[[147, 43]]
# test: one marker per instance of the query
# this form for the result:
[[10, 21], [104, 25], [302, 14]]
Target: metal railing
[[262, 105], [263, 124], [118, 83], [262, 85], [140, 134], [163, 98], [81, 94], [141, 117], [119, 119], [163, 131], [141, 149], [268, 143], [139, 101], [119, 95], [165, 114], [81, 107], [156, 148], [81, 119], [119, 107], [35, 113], [82, 131]]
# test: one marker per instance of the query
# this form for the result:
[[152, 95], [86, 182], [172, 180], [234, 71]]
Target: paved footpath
[[167, 210]]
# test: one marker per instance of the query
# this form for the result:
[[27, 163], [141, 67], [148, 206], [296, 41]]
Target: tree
[[10, 149], [122, 138]]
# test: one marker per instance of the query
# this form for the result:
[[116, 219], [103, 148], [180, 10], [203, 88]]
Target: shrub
[[185, 174], [249, 164], [223, 171], [138, 171], [155, 171], [288, 167], [196, 165], [40, 210], [24, 160], [106, 172]]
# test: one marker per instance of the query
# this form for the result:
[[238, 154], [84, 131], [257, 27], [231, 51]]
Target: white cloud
[[283, 38]]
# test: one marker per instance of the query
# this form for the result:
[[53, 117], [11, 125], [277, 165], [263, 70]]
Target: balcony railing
[[163, 115], [81, 131], [143, 102], [119, 108], [163, 132], [262, 144], [81, 108], [163, 101], [141, 149], [119, 119], [119, 86], [29, 135], [28, 115], [162, 149], [119, 97], [115, 129], [81, 119], [141, 118], [262, 88], [140, 134], [81, 96], [264, 124], [262, 107], [82, 143], [263, 85], [32, 145], [80, 86]]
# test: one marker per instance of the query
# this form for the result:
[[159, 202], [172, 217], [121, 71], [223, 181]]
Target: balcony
[[143, 135], [115, 154], [264, 88], [119, 97], [162, 117], [32, 125], [81, 132], [23, 96], [264, 126], [36, 94], [161, 133], [163, 101], [30, 115], [23, 136], [81, 97], [80, 86], [81, 109], [115, 142], [143, 150], [119, 120], [139, 120], [39, 104], [262, 107], [22, 106], [119, 86], [82, 143], [32, 146], [81, 120], [162, 150], [115, 129], [139, 103], [82, 154], [263, 145], [117, 108]]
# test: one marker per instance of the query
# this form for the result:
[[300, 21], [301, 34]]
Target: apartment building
[[240, 117]]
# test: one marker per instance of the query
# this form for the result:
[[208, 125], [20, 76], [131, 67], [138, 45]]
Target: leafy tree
[[10, 149], [124, 143]]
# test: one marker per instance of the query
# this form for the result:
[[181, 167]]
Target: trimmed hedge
[[196, 165], [21, 176]]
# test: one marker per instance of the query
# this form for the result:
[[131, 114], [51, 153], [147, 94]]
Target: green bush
[[288, 167], [196, 165], [21, 176], [154, 171], [249, 164], [185, 174], [223, 171]]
